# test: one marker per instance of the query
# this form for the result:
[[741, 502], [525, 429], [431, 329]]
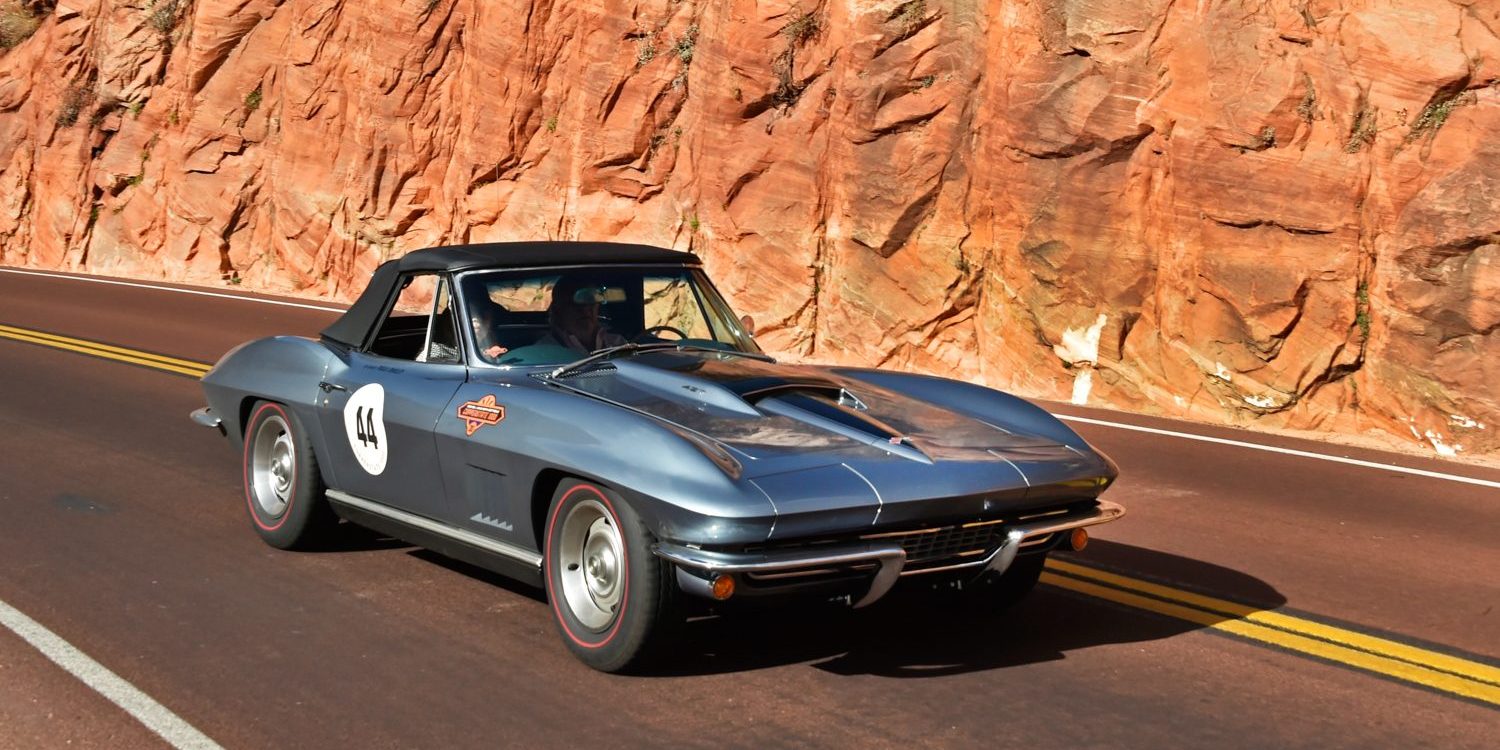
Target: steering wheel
[[652, 331]]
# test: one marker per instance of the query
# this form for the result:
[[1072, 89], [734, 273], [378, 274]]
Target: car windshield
[[553, 317]]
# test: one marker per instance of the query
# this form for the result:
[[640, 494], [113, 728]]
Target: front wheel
[[1000, 593], [611, 597], [283, 489]]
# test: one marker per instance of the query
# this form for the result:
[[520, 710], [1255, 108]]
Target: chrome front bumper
[[889, 558], [205, 417]]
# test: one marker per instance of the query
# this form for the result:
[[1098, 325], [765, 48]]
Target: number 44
[[364, 427]]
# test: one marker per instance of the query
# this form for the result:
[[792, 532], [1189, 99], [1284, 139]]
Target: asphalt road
[[124, 534]]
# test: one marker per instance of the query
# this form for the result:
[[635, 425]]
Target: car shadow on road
[[351, 537], [915, 633]]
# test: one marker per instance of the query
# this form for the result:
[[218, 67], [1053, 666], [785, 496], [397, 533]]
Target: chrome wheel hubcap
[[591, 556], [273, 465]]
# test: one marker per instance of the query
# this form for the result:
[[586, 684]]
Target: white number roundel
[[364, 423]]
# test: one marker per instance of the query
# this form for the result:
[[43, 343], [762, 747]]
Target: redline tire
[[612, 599], [283, 488]]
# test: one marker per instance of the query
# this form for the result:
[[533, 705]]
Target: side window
[[421, 324]]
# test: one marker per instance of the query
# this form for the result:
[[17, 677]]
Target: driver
[[573, 317]]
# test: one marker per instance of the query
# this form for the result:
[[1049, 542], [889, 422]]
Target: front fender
[[681, 490], [282, 368]]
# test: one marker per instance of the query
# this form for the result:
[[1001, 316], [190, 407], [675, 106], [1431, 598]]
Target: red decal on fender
[[477, 414]]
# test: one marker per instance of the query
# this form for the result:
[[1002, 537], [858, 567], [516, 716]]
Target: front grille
[[959, 544], [928, 549], [927, 545]]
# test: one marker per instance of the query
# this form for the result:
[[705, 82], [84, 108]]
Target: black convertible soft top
[[354, 326]]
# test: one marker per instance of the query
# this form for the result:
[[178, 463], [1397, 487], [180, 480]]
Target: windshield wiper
[[655, 346], [606, 353], [730, 352]]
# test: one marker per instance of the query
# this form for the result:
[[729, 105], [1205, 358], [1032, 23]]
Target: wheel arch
[[543, 487]]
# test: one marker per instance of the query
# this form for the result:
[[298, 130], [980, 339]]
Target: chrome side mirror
[[748, 323]]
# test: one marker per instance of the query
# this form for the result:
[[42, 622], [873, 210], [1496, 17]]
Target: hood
[[767, 411], [831, 452]]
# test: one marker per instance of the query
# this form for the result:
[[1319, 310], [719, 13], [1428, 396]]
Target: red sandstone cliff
[[1282, 212]]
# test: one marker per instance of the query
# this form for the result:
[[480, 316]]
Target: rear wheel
[[283, 488], [611, 597]]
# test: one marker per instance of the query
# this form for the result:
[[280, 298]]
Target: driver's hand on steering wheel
[[495, 351]]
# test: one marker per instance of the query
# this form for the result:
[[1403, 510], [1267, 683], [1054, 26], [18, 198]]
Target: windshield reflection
[[554, 317]]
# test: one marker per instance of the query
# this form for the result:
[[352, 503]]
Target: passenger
[[484, 313], [573, 317]]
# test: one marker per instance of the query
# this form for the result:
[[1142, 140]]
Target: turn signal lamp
[[1078, 539], [723, 587]]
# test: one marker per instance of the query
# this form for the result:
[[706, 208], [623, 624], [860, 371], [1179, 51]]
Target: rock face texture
[[1282, 212]]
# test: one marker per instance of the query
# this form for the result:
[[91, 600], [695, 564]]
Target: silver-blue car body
[[627, 479]]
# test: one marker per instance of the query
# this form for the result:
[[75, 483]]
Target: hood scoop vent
[[832, 410], [605, 368]]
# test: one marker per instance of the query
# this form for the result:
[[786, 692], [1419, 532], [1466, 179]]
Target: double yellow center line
[[1445, 673], [1431, 669], [106, 351]]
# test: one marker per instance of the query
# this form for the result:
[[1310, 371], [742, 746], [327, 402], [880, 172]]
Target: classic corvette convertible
[[593, 419]]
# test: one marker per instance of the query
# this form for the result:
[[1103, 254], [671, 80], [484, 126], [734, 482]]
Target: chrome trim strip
[[1005, 554], [982, 523], [775, 514], [890, 557], [800, 573], [888, 534], [437, 527], [880, 501], [1010, 463], [941, 568]]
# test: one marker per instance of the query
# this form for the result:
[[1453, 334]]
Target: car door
[[382, 402]]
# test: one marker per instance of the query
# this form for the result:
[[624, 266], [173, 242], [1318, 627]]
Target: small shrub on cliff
[[686, 44], [163, 15], [17, 24], [74, 100], [801, 29], [1436, 113], [1362, 310], [252, 100], [551, 124], [645, 50], [1307, 109], [909, 14], [1362, 134]]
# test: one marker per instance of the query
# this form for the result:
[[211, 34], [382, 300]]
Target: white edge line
[[141, 707], [200, 293], [1289, 452]]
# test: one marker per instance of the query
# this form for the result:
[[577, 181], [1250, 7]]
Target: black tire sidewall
[[295, 525], [628, 636], [1006, 590]]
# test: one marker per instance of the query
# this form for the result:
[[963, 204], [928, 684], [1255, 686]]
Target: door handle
[[331, 387]]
